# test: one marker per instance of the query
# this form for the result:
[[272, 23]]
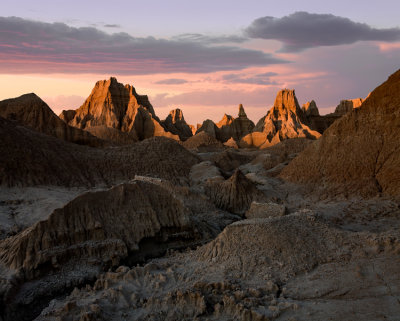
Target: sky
[[205, 57]]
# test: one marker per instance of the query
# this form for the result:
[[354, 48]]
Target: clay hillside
[[360, 152], [30, 111]]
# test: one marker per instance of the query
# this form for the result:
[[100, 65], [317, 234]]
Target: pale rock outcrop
[[265, 210], [347, 105], [176, 124], [31, 111], [359, 153], [234, 194], [283, 121], [114, 105]]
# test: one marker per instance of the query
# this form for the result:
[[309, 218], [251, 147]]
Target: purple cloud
[[302, 30], [37, 47]]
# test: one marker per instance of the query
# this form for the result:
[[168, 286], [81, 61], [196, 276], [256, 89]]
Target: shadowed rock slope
[[93, 232], [118, 106], [29, 158], [234, 194], [30, 111], [202, 141], [176, 124], [295, 267], [360, 153], [228, 127], [283, 121]]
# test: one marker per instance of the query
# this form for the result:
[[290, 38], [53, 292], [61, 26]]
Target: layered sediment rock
[[95, 231], [235, 128], [176, 124], [310, 108], [114, 105], [348, 105], [360, 152], [31, 111], [234, 194], [283, 121], [202, 141], [29, 158]]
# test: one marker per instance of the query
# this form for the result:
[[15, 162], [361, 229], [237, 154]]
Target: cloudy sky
[[204, 57]]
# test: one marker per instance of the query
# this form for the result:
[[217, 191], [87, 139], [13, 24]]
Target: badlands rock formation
[[233, 195], [130, 223], [114, 105], [153, 231], [358, 154], [30, 111], [295, 267], [228, 127], [202, 141], [283, 121], [28, 158], [314, 120], [348, 105], [235, 128], [209, 127], [310, 108], [176, 124]]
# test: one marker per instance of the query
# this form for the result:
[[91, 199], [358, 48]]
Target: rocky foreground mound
[[98, 230], [295, 267], [28, 158], [30, 111], [360, 153]]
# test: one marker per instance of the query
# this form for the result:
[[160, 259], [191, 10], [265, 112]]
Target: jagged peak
[[175, 115], [286, 99], [242, 113], [310, 108]]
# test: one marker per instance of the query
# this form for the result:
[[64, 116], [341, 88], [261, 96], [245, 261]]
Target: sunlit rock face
[[347, 105], [112, 104], [283, 121]]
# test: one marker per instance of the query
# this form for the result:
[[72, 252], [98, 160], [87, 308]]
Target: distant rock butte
[[176, 124], [228, 127], [202, 141], [314, 120], [310, 108], [347, 105], [283, 121], [118, 106], [359, 153], [31, 111]]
